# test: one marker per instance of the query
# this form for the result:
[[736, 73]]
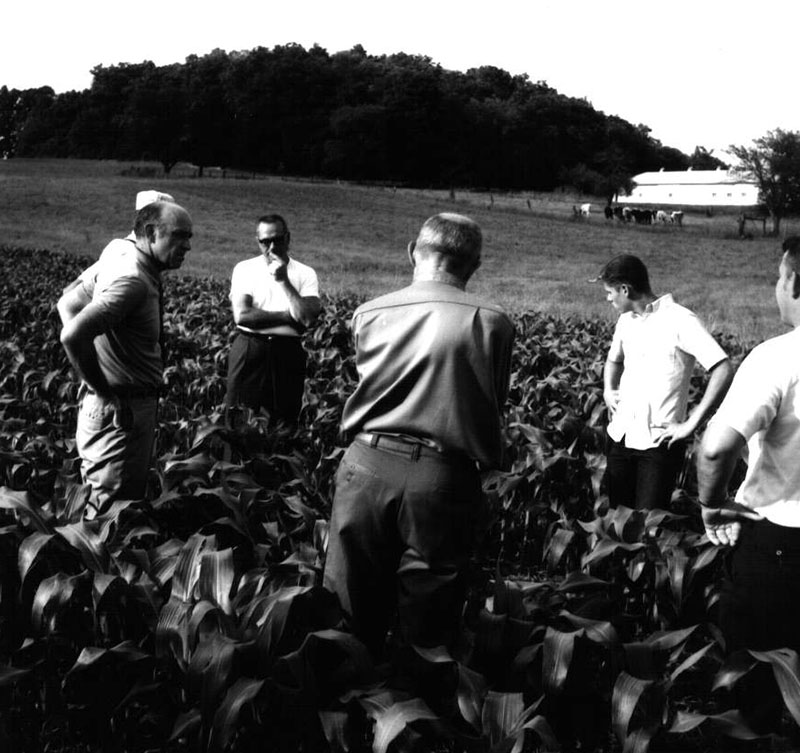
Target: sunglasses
[[277, 240]]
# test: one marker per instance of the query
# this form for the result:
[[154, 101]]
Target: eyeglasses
[[277, 240]]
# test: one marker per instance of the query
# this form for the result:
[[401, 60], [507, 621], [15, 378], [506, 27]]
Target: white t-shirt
[[250, 277], [658, 348], [763, 405]]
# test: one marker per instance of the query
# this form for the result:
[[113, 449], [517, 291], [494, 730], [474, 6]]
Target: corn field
[[195, 620]]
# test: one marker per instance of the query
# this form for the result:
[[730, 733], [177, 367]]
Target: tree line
[[348, 115]]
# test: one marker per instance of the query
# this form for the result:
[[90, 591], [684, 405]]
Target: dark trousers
[[402, 531], [642, 479], [267, 371], [759, 608]]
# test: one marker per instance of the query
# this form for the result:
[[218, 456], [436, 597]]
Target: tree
[[702, 159], [774, 162]]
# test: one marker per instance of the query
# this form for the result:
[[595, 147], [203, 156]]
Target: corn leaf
[[187, 567], [9, 675], [598, 631], [557, 654], [559, 542], [326, 664], [91, 547], [211, 671], [187, 725], [736, 666], [200, 627], [390, 722], [669, 639], [334, 726], [732, 724], [578, 581], [786, 668], [216, 578], [226, 719], [106, 587], [470, 694], [540, 726], [686, 721], [639, 740], [500, 716], [628, 691], [29, 551], [690, 661], [22, 503], [606, 548], [172, 631], [53, 595]]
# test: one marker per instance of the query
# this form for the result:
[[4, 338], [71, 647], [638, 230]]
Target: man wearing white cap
[[143, 198], [116, 246], [114, 344]]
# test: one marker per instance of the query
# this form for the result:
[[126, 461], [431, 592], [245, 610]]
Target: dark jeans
[[759, 608], [642, 479], [402, 531], [267, 371]]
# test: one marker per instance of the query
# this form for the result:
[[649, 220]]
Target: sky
[[696, 72]]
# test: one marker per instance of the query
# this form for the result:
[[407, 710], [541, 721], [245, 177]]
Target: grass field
[[536, 255]]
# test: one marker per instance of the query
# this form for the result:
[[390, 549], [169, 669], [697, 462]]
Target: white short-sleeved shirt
[[763, 405], [659, 349], [250, 277]]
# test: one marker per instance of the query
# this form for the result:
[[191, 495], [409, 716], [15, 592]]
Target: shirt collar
[[148, 262], [665, 301]]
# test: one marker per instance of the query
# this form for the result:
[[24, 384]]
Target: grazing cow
[[608, 211], [662, 217], [585, 209], [618, 213], [627, 214], [642, 216], [676, 218]]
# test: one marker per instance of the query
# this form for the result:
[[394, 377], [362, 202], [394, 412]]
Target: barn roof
[[692, 177]]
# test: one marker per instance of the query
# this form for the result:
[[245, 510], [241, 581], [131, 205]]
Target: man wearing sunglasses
[[275, 299]]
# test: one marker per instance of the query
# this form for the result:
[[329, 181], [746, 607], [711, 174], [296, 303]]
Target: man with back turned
[[425, 419]]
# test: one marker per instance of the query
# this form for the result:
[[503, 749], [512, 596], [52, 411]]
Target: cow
[[627, 214], [642, 216], [585, 209], [608, 211], [619, 214], [662, 217], [676, 218]]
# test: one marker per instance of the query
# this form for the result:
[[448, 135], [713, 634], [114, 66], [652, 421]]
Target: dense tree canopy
[[399, 118], [774, 161]]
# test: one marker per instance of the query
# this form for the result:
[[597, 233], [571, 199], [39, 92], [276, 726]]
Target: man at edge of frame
[[759, 421]]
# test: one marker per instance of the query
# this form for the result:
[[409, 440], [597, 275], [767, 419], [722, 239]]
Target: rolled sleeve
[[694, 339], [751, 403]]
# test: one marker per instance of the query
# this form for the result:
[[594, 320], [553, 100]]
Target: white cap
[[143, 198]]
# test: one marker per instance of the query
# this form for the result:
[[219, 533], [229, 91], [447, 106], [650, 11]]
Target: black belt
[[136, 393], [269, 338], [408, 446]]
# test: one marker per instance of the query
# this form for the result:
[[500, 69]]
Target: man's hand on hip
[[724, 524]]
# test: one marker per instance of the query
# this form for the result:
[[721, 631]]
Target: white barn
[[693, 188]]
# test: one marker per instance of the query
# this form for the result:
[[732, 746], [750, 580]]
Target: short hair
[[453, 235], [626, 269], [273, 219], [791, 247], [150, 214]]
